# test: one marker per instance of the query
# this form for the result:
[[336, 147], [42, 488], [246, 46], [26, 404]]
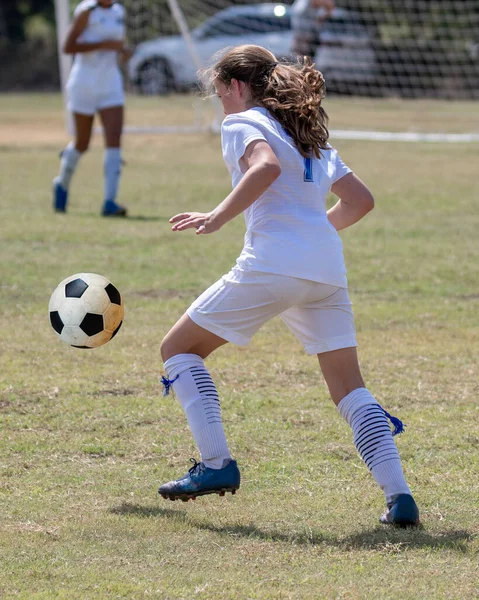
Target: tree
[[14, 16]]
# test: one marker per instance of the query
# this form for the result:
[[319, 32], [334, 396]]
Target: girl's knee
[[166, 349], [82, 146]]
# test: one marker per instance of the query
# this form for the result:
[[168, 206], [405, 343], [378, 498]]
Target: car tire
[[155, 78]]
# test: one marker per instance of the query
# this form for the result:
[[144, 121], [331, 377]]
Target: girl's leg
[[341, 372], [69, 159], [183, 351], [112, 121], [186, 337], [373, 437]]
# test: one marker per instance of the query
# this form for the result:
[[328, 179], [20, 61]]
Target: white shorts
[[87, 98], [235, 307]]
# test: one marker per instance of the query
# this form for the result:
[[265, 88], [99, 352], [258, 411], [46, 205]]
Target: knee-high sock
[[198, 396], [374, 441], [69, 161], [112, 172]]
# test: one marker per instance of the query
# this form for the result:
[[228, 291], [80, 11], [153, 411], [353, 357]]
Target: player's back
[[288, 231]]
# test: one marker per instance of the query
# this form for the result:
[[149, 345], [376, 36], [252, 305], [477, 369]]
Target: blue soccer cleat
[[201, 480], [402, 512], [60, 196], [112, 209]]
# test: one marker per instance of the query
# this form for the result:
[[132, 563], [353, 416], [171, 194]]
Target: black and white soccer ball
[[86, 310]]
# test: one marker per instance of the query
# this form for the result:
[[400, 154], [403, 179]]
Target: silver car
[[165, 64]]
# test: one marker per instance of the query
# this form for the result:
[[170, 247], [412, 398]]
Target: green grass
[[86, 437]]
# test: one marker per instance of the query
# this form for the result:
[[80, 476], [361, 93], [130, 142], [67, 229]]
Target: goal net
[[375, 48]]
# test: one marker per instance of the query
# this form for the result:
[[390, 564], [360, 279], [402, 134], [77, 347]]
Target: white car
[[165, 64]]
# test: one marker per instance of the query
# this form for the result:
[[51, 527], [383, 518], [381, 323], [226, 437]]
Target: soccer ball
[[86, 310]]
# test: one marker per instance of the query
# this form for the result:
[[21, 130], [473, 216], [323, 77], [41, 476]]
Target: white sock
[[69, 161], [374, 441], [198, 396], [112, 171]]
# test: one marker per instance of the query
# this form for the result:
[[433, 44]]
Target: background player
[[97, 39], [307, 18]]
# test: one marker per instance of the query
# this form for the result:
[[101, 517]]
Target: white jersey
[[103, 24], [287, 229]]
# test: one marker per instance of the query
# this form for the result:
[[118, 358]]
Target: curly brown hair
[[292, 92]]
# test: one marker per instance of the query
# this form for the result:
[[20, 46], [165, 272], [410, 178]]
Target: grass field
[[86, 436]]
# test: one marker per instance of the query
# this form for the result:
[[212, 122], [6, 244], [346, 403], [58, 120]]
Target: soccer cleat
[[402, 511], [201, 480], [112, 209], [60, 196]]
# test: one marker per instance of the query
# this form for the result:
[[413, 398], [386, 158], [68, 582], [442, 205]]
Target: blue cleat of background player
[[402, 512], [112, 209], [60, 196], [201, 480]]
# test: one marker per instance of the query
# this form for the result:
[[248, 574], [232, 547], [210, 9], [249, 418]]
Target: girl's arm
[[355, 201], [125, 53], [71, 46], [262, 168]]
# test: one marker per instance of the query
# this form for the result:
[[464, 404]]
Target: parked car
[[165, 64]]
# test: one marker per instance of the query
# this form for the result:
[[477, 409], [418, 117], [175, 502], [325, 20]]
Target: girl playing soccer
[[96, 37], [275, 146]]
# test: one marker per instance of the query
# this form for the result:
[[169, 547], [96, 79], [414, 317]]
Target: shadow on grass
[[146, 512], [378, 538], [393, 539], [147, 218], [128, 218]]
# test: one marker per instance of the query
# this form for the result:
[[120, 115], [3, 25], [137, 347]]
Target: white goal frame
[[62, 18], [62, 15]]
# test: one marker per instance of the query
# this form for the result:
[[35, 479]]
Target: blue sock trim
[[398, 424], [167, 383]]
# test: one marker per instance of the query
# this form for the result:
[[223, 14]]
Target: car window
[[246, 24]]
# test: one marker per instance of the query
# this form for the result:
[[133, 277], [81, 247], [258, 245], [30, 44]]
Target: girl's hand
[[125, 54], [117, 45], [202, 222]]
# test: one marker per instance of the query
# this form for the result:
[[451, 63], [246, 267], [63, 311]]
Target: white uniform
[[95, 81], [292, 261], [305, 27]]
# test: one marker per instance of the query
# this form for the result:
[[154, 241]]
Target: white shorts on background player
[[88, 93], [95, 81]]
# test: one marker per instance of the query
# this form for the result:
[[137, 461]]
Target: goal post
[[62, 19], [411, 49]]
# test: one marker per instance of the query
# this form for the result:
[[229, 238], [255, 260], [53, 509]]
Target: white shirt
[[103, 24], [303, 15], [287, 229]]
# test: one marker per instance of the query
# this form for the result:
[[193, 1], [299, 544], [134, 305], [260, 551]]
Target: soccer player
[[97, 39], [307, 17], [275, 146]]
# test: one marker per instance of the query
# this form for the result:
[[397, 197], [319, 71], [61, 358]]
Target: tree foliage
[[14, 15]]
